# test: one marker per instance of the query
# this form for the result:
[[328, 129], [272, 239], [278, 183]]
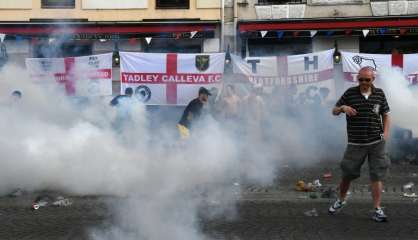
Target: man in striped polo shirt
[[368, 121]]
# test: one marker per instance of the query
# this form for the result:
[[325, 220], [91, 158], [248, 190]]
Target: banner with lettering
[[353, 62], [308, 76], [170, 79], [79, 76]]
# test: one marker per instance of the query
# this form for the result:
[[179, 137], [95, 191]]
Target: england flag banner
[[170, 78], [353, 62], [311, 74], [79, 76]]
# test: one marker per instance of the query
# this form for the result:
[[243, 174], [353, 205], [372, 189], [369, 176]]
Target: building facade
[[274, 27]]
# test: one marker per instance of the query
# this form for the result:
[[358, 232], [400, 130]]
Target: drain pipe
[[222, 42], [235, 47]]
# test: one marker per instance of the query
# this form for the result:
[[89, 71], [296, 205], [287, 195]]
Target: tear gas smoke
[[50, 142], [402, 98]]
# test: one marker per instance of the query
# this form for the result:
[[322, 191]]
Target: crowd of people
[[239, 113], [252, 115], [250, 110]]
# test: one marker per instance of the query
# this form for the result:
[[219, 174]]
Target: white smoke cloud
[[49, 141], [402, 98]]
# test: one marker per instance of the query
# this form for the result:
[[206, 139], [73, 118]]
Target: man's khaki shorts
[[355, 156], [184, 132]]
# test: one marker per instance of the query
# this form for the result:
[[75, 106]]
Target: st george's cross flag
[[353, 62], [79, 76], [309, 75], [170, 78]]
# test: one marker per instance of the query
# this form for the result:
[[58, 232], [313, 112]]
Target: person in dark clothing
[[368, 124], [192, 112], [116, 100], [123, 107]]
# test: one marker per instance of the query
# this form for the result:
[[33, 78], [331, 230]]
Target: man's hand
[[348, 110]]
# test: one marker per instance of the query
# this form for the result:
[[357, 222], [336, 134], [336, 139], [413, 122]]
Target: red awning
[[326, 24], [35, 29]]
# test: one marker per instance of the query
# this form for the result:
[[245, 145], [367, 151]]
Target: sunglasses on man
[[364, 79]]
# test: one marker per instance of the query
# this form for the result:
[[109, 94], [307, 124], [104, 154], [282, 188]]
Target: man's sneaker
[[379, 215], [336, 206]]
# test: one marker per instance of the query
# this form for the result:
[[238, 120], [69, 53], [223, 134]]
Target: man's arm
[[344, 109], [114, 101], [386, 125], [341, 106], [338, 110]]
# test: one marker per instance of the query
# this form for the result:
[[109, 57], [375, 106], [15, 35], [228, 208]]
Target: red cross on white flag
[[80, 76], [353, 62], [67, 78], [171, 88], [174, 79]]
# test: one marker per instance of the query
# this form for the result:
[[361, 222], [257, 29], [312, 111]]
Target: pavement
[[263, 212]]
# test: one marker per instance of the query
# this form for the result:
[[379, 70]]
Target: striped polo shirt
[[367, 126]]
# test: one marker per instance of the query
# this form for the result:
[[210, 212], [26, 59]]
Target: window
[[175, 4], [58, 3], [266, 2]]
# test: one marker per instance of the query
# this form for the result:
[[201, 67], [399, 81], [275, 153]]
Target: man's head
[[129, 91], [204, 94], [365, 77], [17, 95]]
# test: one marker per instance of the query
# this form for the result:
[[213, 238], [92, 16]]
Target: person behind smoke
[[116, 100], [123, 106], [291, 94], [13, 99], [276, 100], [289, 99], [312, 96], [254, 113], [230, 104], [214, 103], [368, 123], [280, 100], [324, 93], [192, 112]]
